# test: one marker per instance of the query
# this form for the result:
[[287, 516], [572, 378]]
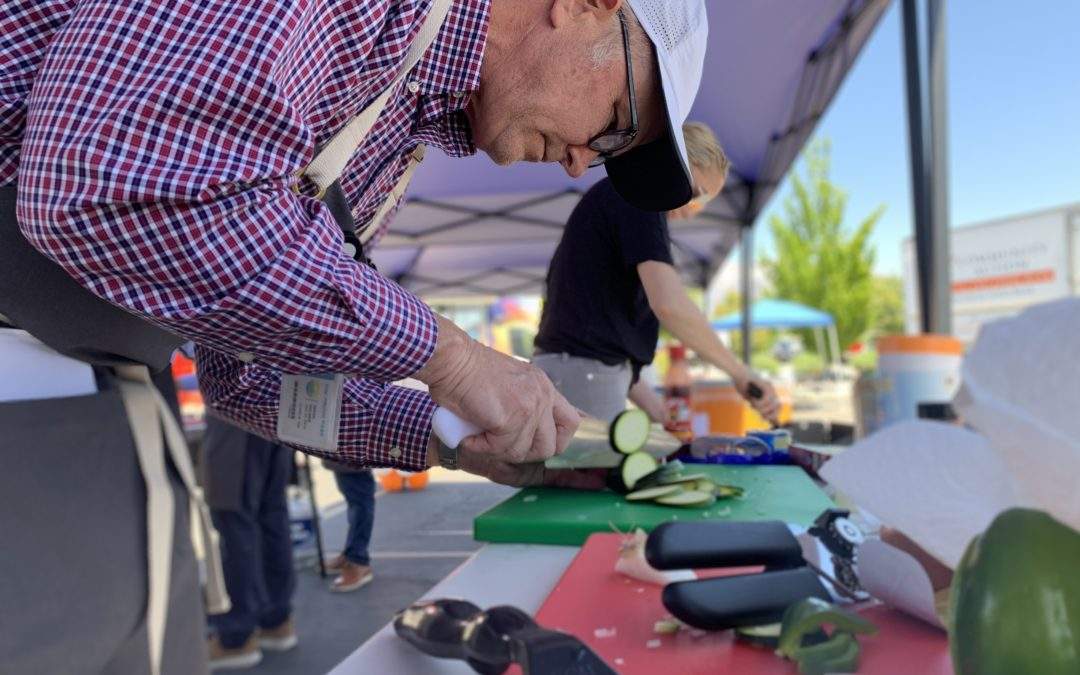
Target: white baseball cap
[[656, 176]]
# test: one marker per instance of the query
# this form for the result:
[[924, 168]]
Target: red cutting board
[[591, 596]]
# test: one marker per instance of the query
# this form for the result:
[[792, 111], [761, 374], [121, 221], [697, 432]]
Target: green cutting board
[[561, 516]]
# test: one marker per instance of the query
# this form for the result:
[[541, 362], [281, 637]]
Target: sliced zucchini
[[687, 498], [684, 478], [766, 636], [665, 471], [703, 485], [634, 466], [630, 431], [728, 491], [653, 493]]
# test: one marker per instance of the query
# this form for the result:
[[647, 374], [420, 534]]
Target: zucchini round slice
[[630, 431], [688, 498], [727, 491], [703, 485], [634, 466], [653, 493], [664, 472], [684, 478]]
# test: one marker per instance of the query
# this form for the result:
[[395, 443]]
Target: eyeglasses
[[611, 141]]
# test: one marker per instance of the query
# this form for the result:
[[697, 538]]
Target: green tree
[[889, 301], [818, 261]]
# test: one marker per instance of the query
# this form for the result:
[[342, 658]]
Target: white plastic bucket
[[914, 369]]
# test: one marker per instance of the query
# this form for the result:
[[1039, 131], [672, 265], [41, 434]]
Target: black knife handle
[[745, 600], [674, 546]]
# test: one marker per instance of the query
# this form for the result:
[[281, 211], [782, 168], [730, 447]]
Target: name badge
[[309, 412]]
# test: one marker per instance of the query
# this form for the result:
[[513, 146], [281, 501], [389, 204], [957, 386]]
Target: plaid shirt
[[155, 143]]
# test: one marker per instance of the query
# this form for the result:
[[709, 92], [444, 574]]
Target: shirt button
[[413, 86], [246, 357], [350, 250], [395, 452]]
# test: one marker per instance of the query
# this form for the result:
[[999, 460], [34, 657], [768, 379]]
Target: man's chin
[[499, 154]]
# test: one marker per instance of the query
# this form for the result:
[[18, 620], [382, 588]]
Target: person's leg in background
[[276, 629], [358, 487], [235, 644]]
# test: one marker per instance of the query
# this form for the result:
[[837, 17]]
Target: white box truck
[[1002, 266]]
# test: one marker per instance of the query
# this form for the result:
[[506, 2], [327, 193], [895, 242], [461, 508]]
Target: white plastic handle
[[450, 428]]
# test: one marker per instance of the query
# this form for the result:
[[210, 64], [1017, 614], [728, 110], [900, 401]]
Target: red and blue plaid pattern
[[155, 145]]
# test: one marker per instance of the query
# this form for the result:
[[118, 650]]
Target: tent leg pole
[[917, 143], [747, 269], [939, 300], [819, 342], [835, 344]]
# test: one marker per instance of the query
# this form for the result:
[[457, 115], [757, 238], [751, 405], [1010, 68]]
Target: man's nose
[[577, 160]]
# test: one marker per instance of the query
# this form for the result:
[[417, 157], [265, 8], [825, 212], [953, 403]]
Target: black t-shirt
[[596, 306]]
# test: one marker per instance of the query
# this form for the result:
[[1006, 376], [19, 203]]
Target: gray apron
[[74, 571]]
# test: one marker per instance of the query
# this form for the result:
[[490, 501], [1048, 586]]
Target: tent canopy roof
[[770, 313], [772, 67]]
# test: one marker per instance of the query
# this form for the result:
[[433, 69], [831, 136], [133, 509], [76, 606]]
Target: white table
[[521, 575]]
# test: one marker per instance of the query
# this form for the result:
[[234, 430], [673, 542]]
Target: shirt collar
[[452, 65], [448, 74]]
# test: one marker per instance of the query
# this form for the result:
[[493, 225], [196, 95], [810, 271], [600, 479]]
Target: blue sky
[[1014, 120]]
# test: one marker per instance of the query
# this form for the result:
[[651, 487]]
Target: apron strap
[[331, 159], [368, 230], [148, 416]]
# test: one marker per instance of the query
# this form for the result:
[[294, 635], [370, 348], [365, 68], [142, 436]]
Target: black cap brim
[[652, 176]]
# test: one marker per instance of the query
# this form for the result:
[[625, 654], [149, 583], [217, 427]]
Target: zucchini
[[684, 478], [652, 493], [633, 467], [727, 491], [629, 431], [766, 636], [663, 472], [687, 498], [703, 485]]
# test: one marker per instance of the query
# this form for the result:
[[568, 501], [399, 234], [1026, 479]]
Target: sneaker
[[247, 655], [336, 563], [280, 638], [352, 577]]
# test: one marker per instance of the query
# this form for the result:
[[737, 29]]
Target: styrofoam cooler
[[914, 369]]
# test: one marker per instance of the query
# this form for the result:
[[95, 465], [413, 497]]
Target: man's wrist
[[451, 345]]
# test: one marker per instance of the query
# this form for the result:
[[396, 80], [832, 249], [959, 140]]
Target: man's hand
[[524, 419], [767, 402]]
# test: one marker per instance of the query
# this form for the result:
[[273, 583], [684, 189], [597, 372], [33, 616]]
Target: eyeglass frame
[[628, 134]]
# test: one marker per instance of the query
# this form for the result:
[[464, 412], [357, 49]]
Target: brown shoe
[[336, 563], [247, 655], [280, 638], [352, 577]]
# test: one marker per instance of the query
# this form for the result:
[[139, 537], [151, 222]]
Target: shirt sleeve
[[381, 424], [642, 236], [156, 169]]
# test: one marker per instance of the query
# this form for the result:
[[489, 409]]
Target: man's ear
[[564, 12]]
